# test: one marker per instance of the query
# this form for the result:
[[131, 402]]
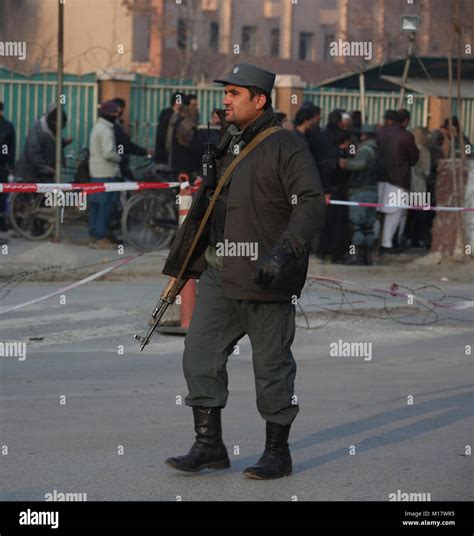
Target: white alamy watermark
[[404, 496], [58, 198], [60, 496], [401, 198], [16, 49], [361, 49], [13, 349], [33, 517], [351, 349], [237, 249]]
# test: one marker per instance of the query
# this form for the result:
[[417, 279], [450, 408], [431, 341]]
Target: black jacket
[[161, 154], [7, 138], [300, 136], [327, 158], [186, 157], [398, 152], [312, 136], [274, 193], [125, 148], [38, 158]]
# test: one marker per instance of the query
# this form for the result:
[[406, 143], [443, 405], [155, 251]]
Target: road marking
[[39, 320], [106, 333], [78, 335]]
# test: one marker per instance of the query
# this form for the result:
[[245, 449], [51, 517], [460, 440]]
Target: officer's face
[[239, 108]]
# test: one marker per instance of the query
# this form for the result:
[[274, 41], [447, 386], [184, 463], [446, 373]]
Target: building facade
[[201, 39]]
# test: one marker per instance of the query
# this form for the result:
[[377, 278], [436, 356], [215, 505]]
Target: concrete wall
[[92, 32], [304, 16]]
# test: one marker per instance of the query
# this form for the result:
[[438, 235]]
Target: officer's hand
[[272, 265]]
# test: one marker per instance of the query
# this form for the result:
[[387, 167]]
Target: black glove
[[272, 265]]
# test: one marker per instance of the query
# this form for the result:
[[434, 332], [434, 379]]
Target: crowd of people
[[110, 148], [369, 163], [357, 162]]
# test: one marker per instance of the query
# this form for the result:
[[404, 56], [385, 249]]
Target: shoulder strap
[[225, 176]]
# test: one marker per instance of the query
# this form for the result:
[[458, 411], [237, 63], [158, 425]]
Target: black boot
[[208, 451], [275, 461]]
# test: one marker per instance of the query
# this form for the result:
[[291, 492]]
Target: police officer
[[271, 208], [362, 189]]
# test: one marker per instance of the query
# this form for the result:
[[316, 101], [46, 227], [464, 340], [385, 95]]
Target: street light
[[59, 111], [408, 23]]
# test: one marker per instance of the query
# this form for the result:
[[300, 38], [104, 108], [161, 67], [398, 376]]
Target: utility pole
[[406, 69], [59, 114]]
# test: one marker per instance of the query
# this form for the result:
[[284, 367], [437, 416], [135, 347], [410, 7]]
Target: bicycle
[[147, 219], [29, 215], [150, 217]]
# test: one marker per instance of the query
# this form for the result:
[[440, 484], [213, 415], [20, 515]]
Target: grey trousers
[[218, 323]]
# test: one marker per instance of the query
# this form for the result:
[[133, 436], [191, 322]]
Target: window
[[182, 34], [328, 39], [141, 37], [249, 44], [305, 46], [275, 42], [214, 36]]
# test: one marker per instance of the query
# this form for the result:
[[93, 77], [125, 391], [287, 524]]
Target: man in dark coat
[[184, 144], [38, 158], [161, 154], [327, 150], [125, 146], [7, 161], [304, 122], [313, 133], [252, 263], [333, 178], [398, 152]]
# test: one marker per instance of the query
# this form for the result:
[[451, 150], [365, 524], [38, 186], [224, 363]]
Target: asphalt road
[[121, 419]]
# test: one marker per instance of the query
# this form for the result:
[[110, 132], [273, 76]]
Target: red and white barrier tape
[[414, 207], [87, 187], [99, 187]]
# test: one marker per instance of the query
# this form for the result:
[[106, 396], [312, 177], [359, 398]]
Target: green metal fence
[[26, 98], [149, 96], [467, 117], [375, 103]]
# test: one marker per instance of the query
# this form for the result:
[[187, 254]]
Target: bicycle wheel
[[29, 217], [150, 220]]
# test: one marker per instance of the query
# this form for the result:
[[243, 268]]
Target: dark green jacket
[[275, 192], [360, 167]]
